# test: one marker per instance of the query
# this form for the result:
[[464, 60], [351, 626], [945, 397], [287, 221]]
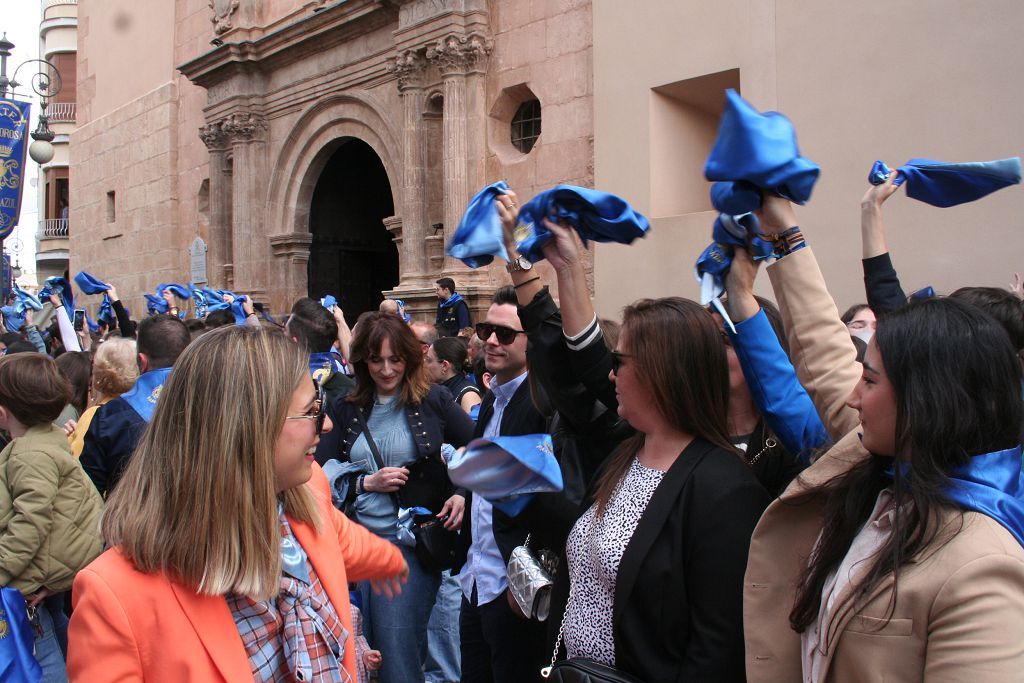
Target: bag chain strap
[[546, 671]]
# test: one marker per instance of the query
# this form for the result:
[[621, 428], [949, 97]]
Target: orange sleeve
[[366, 555], [101, 645]]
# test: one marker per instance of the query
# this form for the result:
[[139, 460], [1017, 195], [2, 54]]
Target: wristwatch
[[518, 265]]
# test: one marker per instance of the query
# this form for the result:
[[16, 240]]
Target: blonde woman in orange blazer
[[224, 477]]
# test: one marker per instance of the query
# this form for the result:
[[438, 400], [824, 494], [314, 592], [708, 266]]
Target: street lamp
[[45, 83]]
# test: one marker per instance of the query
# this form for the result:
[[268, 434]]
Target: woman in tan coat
[[897, 556]]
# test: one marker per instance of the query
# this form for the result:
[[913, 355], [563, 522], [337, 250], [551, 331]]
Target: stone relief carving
[[244, 126], [213, 135], [409, 67], [458, 53], [238, 126], [222, 11]]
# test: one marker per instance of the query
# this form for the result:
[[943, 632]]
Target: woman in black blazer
[[656, 564]]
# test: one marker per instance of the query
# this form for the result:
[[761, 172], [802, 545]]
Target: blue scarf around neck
[[143, 396], [992, 484], [452, 300]]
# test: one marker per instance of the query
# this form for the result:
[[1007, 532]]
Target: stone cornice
[[459, 54], [310, 35]]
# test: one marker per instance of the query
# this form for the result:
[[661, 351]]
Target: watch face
[[523, 263]]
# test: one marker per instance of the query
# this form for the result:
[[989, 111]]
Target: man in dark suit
[[498, 643], [116, 428]]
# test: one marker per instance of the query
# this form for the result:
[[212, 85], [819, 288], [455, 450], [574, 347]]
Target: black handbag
[[583, 670], [436, 546]]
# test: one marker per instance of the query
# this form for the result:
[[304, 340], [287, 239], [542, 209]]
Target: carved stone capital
[[244, 126], [222, 11], [409, 66], [213, 136], [455, 54]]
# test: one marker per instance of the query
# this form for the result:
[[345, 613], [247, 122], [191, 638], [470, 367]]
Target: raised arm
[[881, 282], [823, 353], [777, 393]]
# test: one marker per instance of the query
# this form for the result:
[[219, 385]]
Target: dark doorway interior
[[352, 255]]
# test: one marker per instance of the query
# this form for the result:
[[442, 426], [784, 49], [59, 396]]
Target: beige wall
[[125, 52], [860, 80]]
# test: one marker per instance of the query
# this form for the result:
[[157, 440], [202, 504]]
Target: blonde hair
[[114, 368], [198, 500]]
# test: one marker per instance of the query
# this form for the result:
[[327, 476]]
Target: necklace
[[769, 443]]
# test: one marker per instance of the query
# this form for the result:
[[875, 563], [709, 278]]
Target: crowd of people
[[748, 491]]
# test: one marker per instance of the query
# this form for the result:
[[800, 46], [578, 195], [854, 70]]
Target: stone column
[[218, 144], [247, 132], [410, 67], [456, 56]]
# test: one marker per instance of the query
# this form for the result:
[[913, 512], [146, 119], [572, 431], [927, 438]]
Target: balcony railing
[[51, 228], [61, 112]]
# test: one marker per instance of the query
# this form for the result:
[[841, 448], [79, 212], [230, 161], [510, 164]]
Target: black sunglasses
[[319, 410], [617, 360], [505, 335]]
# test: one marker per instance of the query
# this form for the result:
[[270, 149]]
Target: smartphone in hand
[[79, 321]]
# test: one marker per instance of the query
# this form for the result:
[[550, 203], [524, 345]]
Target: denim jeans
[[52, 642], [398, 627], [444, 657]]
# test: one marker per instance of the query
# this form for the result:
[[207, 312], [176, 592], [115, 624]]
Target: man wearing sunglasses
[[498, 644]]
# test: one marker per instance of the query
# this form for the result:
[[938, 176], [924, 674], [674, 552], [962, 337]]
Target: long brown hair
[[199, 500], [676, 349], [957, 384], [372, 329]]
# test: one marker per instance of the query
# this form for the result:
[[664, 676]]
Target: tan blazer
[[958, 612]]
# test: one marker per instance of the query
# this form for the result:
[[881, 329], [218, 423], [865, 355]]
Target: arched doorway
[[352, 255]]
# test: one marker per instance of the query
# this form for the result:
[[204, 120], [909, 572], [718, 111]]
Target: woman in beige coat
[[883, 561]]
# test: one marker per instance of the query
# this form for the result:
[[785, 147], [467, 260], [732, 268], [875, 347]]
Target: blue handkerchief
[[89, 284], [13, 319], [59, 286], [479, 237], [595, 215], [329, 302], [17, 662], [759, 150], [507, 466], [177, 290], [24, 300], [945, 184]]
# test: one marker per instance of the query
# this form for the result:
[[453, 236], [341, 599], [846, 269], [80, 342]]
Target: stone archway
[[302, 158], [352, 255]]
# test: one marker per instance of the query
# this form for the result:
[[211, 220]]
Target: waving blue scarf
[[948, 184], [329, 302], [479, 237], [144, 395], [755, 150], [507, 470], [59, 286], [89, 284], [597, 216], [215, 299], [992, 484], [199, 297]]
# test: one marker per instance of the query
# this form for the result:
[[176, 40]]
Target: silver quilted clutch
[[530, 580]]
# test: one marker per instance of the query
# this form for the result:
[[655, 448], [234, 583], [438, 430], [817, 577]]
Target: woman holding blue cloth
[[898, 553], [390, 431]]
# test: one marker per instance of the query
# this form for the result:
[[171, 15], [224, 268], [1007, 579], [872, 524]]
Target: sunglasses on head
[[505, 335], [319, 410]]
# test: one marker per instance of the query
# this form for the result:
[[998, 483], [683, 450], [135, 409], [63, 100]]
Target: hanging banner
[[14, 125]]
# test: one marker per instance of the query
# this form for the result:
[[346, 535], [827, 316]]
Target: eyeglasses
[[505, 335], [617, 360], [319, 410]]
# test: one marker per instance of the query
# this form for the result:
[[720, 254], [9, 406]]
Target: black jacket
[[519, 417], [114, 432], [435, 420], [678, 606]]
